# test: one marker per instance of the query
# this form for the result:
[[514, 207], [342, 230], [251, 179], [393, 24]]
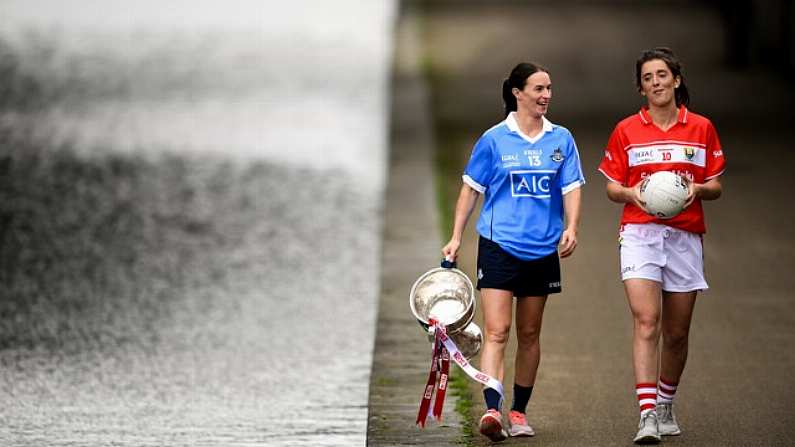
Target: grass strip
[[446, 168]]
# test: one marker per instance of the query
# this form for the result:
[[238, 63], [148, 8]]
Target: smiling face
[[657, 83], [534, 98]]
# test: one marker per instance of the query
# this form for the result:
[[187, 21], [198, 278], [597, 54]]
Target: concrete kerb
[[411, 243]]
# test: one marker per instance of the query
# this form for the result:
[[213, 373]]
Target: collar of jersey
[[681, 115], [510, 120]]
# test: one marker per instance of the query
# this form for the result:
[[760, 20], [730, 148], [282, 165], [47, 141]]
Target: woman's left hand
[[568, 242], [691, 191]]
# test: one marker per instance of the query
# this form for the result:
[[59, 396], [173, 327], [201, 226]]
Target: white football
[[664, 193]]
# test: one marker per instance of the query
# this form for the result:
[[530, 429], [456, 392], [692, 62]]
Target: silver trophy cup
[[447, 295]]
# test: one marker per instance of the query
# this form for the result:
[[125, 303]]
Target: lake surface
[[260, 128]]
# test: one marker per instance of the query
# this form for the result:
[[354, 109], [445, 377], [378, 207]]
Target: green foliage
[[459, 384]]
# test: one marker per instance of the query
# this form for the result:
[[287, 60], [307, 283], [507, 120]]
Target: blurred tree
[[759, 32]]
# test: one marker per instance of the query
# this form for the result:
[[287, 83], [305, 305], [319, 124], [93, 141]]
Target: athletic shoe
[[648, 433], [519, 425], [667, 421], [491, 426]]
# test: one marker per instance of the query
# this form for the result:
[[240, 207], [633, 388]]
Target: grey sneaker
[[648, 433], [519, 425], [666, 420]]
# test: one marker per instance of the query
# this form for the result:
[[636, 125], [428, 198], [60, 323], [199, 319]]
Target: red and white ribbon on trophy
[[443, 350]]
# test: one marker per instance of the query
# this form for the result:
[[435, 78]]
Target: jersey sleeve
[[716, 164], [571, 176], [480, 169], [614, 164]]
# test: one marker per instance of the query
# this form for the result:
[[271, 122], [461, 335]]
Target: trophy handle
[[448, 264]]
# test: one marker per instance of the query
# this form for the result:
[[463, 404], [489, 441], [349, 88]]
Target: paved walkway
[[401, 356]]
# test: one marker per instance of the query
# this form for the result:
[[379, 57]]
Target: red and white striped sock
[[647, 397], [666, 391]]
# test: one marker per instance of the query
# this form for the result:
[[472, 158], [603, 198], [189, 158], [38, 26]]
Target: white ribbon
[[463, 363]]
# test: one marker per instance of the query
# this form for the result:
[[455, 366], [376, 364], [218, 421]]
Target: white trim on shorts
[[670, 256]]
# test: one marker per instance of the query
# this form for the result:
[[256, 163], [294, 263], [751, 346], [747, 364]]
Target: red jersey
[[638, 148]]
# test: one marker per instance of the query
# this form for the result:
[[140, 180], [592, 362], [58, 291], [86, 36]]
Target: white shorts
[[663, 254]]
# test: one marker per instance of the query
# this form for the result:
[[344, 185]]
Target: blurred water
[[276, 351], [301, 82]]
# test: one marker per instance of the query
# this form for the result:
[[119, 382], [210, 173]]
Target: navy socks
[[521, 396], [492, 398]]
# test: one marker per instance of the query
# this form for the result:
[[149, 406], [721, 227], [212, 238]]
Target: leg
[[644, 302], [677, 313], [497, 314], [529, 314]]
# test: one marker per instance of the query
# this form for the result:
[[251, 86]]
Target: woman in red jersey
[[662, 263]]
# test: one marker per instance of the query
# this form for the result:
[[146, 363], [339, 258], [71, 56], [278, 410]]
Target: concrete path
[[736, 388], [402, 353]]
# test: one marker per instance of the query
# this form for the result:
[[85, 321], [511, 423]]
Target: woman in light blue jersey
[[528, 171]]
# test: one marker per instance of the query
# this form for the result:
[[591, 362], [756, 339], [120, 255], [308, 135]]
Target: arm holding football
[[623, 194], [709, 190]]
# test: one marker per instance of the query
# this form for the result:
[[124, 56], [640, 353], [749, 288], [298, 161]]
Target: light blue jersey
[[523, 181]]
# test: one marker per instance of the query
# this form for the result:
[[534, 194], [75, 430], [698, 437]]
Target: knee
[[528, 336], [675, 339], [647, 327], [497, 334]]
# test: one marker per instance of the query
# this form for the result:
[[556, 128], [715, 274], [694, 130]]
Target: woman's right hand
[[635, 198], [450, 251]]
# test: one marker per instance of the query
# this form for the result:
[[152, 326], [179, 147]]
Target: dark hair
[[666, 55], [517, 79]]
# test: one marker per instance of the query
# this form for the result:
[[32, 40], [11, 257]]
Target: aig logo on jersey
[[532, 183]]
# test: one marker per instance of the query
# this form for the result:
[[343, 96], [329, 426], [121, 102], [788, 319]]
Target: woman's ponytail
[[508, 100]]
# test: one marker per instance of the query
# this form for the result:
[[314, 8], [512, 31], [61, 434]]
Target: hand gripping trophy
[[443, 301]]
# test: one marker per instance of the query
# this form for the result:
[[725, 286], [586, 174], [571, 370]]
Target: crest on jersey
[[557, 155], [690, 153]]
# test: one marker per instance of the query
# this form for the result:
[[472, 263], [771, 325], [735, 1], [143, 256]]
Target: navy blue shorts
[[498, 269]]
